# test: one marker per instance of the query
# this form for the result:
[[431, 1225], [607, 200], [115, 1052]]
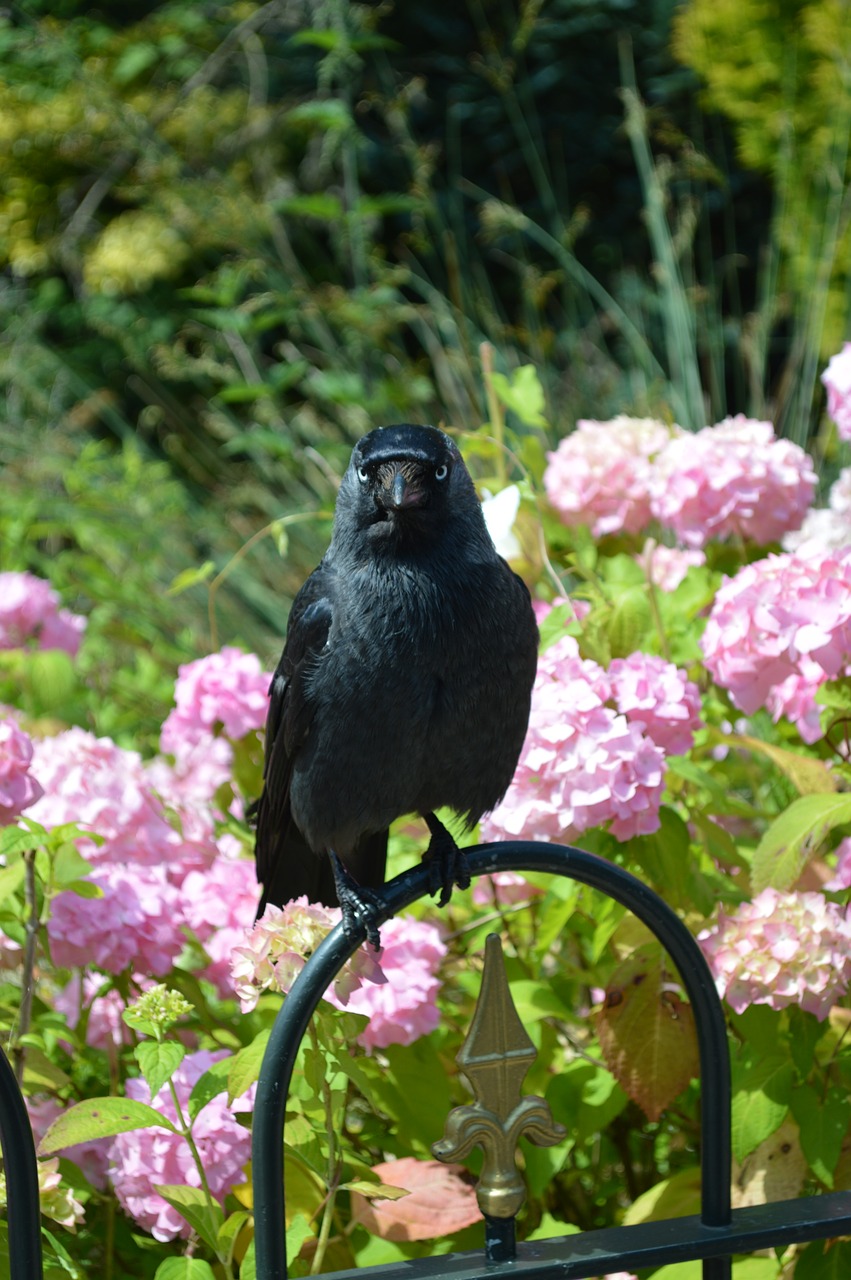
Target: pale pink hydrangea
[[135, 924], [19, 790], [826, 528], [105, 1027], [56, 1198], [837, 380], [666, 567], [402, 1008], [275, 951], [600, 474], [735, 478], [841, 878], [219, 905], [147, 1158], [503, 888], [583, 764], [659, 698], [227, 689], [781, 949], [30, 613], [105, 789], [786, 616]]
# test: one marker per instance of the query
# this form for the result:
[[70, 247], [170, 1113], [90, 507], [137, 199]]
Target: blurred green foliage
[[242, 234]]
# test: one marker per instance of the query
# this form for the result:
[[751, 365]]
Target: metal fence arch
[[713, 1236]]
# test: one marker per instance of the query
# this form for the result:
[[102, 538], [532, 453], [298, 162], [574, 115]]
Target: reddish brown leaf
[[646, 1032], [441, 1201]]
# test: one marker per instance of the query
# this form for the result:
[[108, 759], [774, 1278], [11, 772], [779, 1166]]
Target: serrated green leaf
[[298, 1231], [208, 1086], [244, 1066], [158, 1061], [794, 837], [13, 840], [100, 1118], [204, 1216], [761, 1099], [374, 1190], [807, 774]]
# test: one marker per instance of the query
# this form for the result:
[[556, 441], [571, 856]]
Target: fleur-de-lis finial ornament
[[495, 1058]]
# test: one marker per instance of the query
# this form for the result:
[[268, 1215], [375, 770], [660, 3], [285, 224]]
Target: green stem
[[333, 1175]]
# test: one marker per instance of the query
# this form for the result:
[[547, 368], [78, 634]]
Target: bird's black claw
[[447, 864], [361, 907]]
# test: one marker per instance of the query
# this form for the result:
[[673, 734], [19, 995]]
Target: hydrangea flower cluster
[[136, 921], [146, 1158], [667, 566], [781, 949], [219, 905], [227, 689], [778, 629], [400, 997], [600, 474], [30, 615], [735, 478], [826, 527], [19, 790], [837, 380], [586, 762]]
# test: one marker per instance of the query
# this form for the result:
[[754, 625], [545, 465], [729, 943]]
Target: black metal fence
[[714, 1236]]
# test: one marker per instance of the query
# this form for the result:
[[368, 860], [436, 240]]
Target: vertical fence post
[[21, 1169]]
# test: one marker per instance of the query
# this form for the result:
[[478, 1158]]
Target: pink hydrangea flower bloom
[[659, 698], [837, 380], [735, 478], [583, 764], [149, 1157], [227, 689], [105, 1027], [600, 474], [666, 567], [402, 1008], [105, 788], [136, 923], [504, 888], [786, 616], [29, 611], [275, 951], [826, 528], [19, 790], [841, 878], [219, 905], [781, 949]]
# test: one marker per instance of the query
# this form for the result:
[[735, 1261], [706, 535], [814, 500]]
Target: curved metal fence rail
[[328, 958]]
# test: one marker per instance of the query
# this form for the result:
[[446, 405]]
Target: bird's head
[[406, 483]]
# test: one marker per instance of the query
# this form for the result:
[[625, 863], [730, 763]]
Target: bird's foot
[[361, 907], [447, 865]]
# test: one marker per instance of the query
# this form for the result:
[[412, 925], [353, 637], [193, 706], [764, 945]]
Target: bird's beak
[[402, 491]]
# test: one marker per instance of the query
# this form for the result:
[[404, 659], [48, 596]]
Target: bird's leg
[[360, 906], [447, 865]]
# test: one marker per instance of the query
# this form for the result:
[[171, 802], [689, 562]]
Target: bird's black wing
[[286, 867]]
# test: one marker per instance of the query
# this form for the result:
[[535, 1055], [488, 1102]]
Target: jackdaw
[[404, 684]]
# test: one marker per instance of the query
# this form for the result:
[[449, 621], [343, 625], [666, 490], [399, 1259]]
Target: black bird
[[404, 684]]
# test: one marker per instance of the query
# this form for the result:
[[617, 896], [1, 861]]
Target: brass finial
[[495, 1058]]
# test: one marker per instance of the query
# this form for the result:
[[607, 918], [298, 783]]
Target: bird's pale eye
[[362, 475], [441, 472]]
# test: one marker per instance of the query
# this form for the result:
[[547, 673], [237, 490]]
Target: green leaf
[[100, 1118], [13, 841], [11, 879], [762, 1094], [184, 1269], [676, 1197], [158, 1061], [228, 1232], [522, 394], [823, 1122], [298, 1231], [191, 577], [824, 1260], [244, 1066], [808, 775], [208, 1086], [204, 1216], [630, 621], [41, 1073], [69, 866], [248, 1267], [794, 837]]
